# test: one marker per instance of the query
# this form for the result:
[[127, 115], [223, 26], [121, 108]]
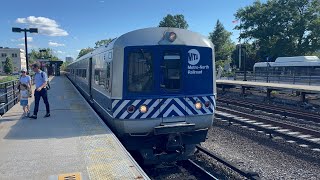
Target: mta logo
[[193, 56]]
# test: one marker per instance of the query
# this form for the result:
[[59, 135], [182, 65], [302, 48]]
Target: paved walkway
[[73, 140]]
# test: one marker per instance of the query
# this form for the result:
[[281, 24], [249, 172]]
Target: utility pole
[[244, 63], [31, 30], [240, 47], [267, 69]]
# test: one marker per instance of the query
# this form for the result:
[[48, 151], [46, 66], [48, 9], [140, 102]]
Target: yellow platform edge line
[[70, 176]]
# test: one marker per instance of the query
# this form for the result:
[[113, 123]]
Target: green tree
[[315, 54], [8, 65], [42, 54], [64, 65], [223, 45], [84, 52], [176, 21], [102, 42], [282, 27]]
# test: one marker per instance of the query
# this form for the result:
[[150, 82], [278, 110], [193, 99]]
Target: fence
[[308, 79], [9, 93]]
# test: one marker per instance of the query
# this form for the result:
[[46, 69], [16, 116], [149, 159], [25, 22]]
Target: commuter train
[[154, 87]]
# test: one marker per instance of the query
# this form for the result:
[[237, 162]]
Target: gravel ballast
[[254, 151]]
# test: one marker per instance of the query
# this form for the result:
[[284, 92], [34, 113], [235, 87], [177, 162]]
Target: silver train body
[[154, 87]]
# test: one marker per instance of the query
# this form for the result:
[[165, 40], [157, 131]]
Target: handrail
[[7, 92], [6, 82], [1, 83], [8, 103], [10, 91], [294, 78]]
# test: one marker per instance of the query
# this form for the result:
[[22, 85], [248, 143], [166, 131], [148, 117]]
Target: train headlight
[[172, 36], [198, 105], [143, 108], [207, 104], [131, 109]]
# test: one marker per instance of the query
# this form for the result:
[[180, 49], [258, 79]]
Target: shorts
[[23, 102]]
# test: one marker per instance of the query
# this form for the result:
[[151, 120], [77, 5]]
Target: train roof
[[97, 51], [297, 59], [153, 36], [291, 61]]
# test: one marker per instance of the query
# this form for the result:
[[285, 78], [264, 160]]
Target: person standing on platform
[[25, 79], [41, 80], [24, 94]]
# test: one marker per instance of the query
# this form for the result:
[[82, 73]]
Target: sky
[[67, 26]]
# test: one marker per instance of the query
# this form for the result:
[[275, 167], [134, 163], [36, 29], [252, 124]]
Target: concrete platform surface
[[303, 88], [73, 140]]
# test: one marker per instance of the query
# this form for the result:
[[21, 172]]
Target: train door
[[90, 78], [172, 108]]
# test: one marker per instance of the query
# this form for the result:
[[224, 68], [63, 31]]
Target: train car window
[[140, 71], [84, 73], [110, 55], [108, 70], [171, 68], [99, 77], [108, 83]]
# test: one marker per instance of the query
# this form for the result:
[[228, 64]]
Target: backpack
[[48, 84]]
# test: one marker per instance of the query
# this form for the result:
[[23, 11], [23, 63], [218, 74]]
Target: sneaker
[[47, 115], [33, 117]]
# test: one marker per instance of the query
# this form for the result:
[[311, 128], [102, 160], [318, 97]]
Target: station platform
[[73, 143], [275, 86], [304, 89]]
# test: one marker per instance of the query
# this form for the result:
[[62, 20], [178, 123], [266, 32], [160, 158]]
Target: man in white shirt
[[40, 79]]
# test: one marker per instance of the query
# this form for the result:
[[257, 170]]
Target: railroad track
[[285, 112], [300, 135], [190, 169], [247, 174], [187, 169], [202, 173]]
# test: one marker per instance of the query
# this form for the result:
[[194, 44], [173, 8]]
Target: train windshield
[[140, 71], [171, 69]]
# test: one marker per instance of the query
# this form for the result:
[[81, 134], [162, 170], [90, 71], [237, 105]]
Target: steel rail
[[247, 174], [309, 116], [268, 130], [276, 123], [204, 173]]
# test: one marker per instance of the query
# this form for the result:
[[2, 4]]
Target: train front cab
[[168, 101]]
